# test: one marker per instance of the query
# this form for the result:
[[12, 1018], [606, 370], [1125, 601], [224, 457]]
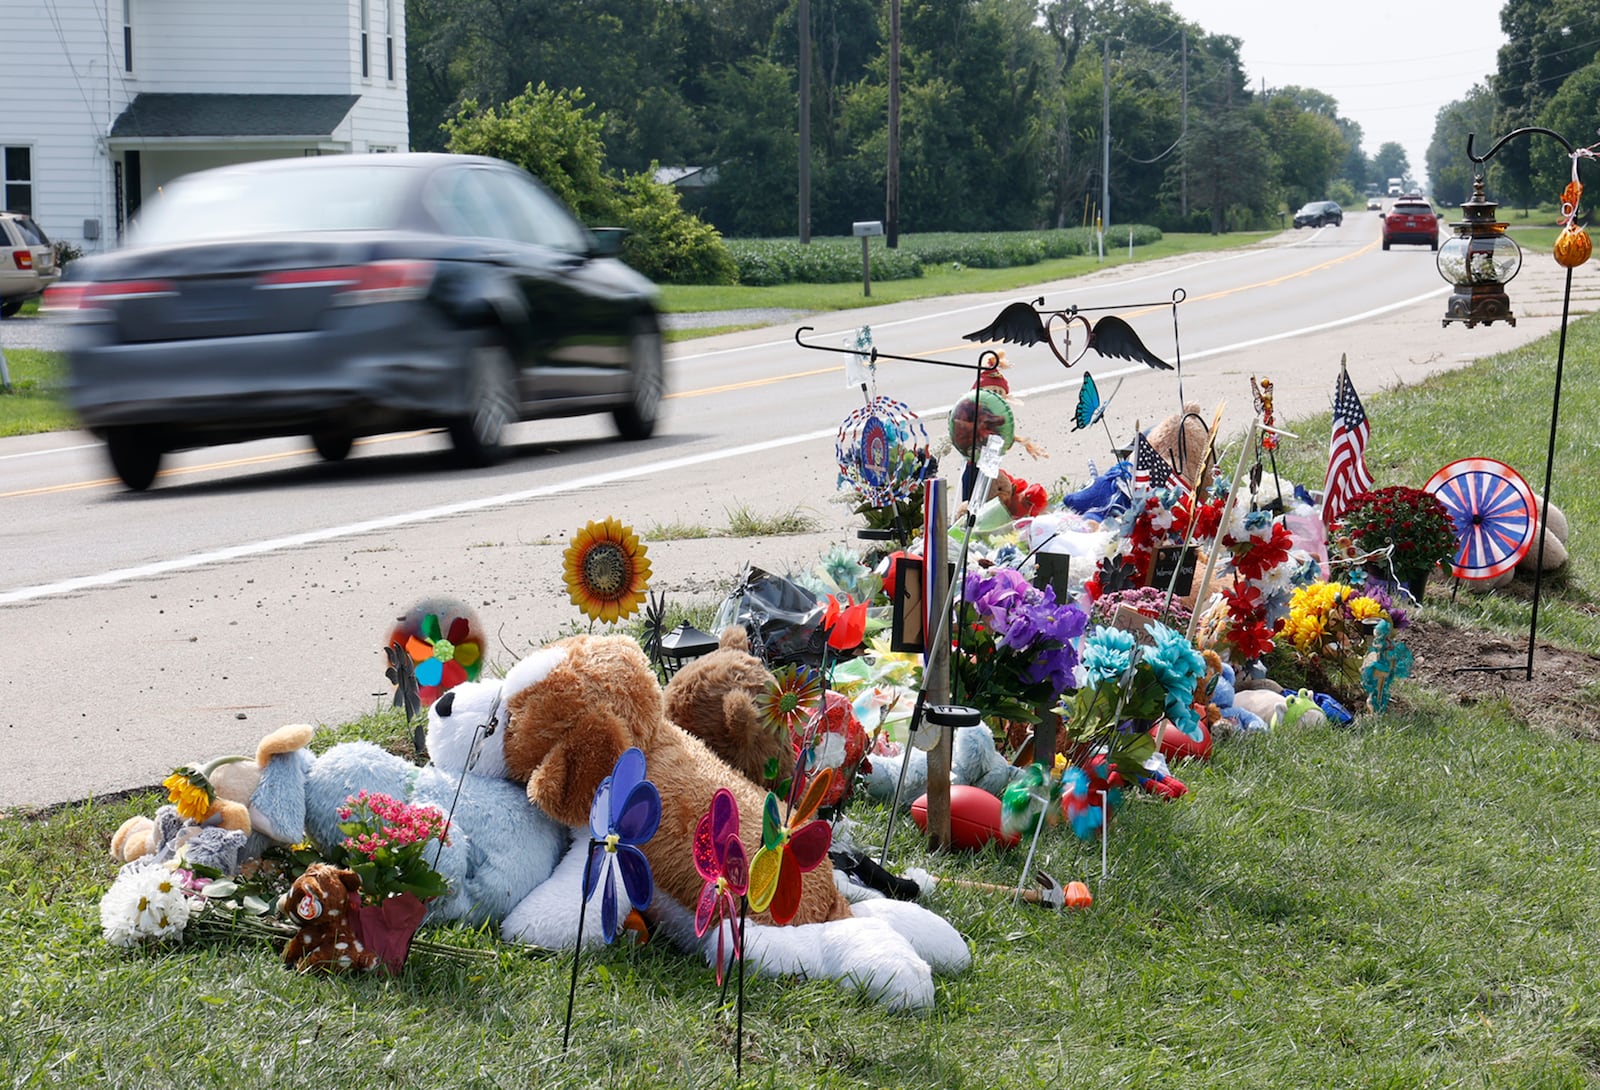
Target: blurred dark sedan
[[342, 296]]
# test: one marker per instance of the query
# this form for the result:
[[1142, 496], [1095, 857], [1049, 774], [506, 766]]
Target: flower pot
[[1418, 584], [386, 928]]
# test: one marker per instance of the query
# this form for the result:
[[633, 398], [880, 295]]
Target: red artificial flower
[[1253, 640], [846, 624]]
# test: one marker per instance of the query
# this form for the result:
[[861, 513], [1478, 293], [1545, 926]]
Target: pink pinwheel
[[788, 850], [625, 813], [719, 858]]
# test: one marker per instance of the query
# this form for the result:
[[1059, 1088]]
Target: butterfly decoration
[[625, 813], [719, 858], [1111, 337], [444, 644], [789, 849], [1091, 410]]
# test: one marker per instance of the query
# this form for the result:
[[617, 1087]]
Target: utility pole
[[1105, 136], [892, 195], [805, 121], [1183, 135]]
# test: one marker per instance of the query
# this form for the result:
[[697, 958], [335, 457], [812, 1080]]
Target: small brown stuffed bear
[[714, 698], [319, 900]]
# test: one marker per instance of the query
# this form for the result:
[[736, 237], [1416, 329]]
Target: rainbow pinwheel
[[788, 850], [625, 813], [445, 647], [719, 858]]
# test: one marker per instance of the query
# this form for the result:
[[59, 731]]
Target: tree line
[[1001, 107], [1548, 74]]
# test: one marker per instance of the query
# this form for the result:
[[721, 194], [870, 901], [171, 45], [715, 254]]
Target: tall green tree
[[1450, 172]]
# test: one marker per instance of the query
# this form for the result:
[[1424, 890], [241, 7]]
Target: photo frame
[[906, 614]]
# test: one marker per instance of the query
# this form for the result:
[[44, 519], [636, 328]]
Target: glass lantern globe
[[1478, 262]]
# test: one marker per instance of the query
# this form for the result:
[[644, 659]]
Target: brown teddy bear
[[320, 901], [571, 709], [714, 698], [565, 733]]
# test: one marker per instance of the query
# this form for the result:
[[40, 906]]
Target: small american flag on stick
[[1347, 451], [1149, 468]]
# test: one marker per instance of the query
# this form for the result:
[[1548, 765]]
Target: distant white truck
[[1397, 186]]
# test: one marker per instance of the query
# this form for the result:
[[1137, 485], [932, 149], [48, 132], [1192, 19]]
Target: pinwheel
[[883, 452], [719, 858], [625, 813], [789, 849], [791, 697], [1494, 514], [444, 644]]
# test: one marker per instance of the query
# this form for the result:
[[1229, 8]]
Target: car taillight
[[375, 282], [23, 258], [91, 296]]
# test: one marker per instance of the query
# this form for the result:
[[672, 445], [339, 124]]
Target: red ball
[[974, 818]]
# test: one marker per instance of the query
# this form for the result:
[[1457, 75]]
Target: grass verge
[[1409, 902], [33, 404]]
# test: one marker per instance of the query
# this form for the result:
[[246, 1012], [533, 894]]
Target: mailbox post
[[866, 230]]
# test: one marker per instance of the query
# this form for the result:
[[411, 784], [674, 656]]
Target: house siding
[[63, 97]]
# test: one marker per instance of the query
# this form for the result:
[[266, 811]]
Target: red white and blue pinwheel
[[719, 858], [1494, 513], [625, 813]]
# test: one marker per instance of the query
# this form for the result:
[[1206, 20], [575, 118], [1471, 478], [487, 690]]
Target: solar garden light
[[684, 644]]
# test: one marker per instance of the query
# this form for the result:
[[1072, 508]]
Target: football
[[974, 818]]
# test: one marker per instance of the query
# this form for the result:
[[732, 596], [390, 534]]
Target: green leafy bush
[[764, 262], [665, 242]]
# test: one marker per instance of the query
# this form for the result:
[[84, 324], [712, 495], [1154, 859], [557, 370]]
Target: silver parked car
[[27, 261], [344, 296]]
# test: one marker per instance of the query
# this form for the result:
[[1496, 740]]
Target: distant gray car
[[1319, 214], [342, 296]]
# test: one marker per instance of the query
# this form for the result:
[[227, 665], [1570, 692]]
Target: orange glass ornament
[[1572, 246]]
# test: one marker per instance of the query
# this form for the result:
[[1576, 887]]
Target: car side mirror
[[606, 241]]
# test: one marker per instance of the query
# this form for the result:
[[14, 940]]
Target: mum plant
[[1412, 523]]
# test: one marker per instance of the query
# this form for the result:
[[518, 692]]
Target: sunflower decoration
[[606, 571], [791, 698], [190, 790], [444, 644]]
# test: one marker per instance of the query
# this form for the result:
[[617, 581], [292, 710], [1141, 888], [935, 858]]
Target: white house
[[104, 101]]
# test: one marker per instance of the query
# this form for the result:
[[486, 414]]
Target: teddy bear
[[501, 847], [714, 698], [572, 708], [320, 901]]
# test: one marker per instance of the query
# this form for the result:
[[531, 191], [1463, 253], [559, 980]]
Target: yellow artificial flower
[[190, 791], [606, 572]]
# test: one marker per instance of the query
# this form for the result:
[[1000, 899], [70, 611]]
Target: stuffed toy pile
[[572, 709]]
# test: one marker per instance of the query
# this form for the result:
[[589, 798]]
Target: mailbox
[[867, 228]]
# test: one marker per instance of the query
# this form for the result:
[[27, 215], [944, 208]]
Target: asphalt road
[[253, 585]]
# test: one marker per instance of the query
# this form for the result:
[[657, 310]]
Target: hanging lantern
[[1479, 262]]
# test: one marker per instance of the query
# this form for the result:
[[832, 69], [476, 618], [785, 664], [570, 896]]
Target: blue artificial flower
[[1107, 654], [1179, 667]]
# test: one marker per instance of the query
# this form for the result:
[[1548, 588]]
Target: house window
[[16, 172], [127, 35], [366, 37], [388, 37]]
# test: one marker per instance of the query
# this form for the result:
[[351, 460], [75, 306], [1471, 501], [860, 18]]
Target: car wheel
[[1385, 244], [1338, 221], [9, 307], [332, 444], [1433, 244], [647, 383], [135, 455], [491, 407]]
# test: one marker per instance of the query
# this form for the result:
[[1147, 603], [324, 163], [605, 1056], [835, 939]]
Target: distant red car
[[1411, 220]]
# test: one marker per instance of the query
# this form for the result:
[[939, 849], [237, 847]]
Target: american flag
[[1347, 459], [1149, 468]]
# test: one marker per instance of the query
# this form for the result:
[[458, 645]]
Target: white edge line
[[428, 514]]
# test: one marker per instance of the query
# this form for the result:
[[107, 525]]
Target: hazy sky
[[1391, 66]]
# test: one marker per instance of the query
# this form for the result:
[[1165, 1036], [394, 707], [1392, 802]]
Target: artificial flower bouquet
[[153, 903], [1412, 524], [1013, 653], [1263, 566], [1328, 632]]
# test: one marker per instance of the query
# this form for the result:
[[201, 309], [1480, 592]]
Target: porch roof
[[152, 116]]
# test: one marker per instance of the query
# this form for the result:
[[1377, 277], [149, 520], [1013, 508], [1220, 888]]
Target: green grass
[[938, 280], [33, 404], [745, 522], [1411, 903]]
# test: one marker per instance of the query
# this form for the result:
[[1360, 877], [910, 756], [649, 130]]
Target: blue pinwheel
[[625, 813]]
